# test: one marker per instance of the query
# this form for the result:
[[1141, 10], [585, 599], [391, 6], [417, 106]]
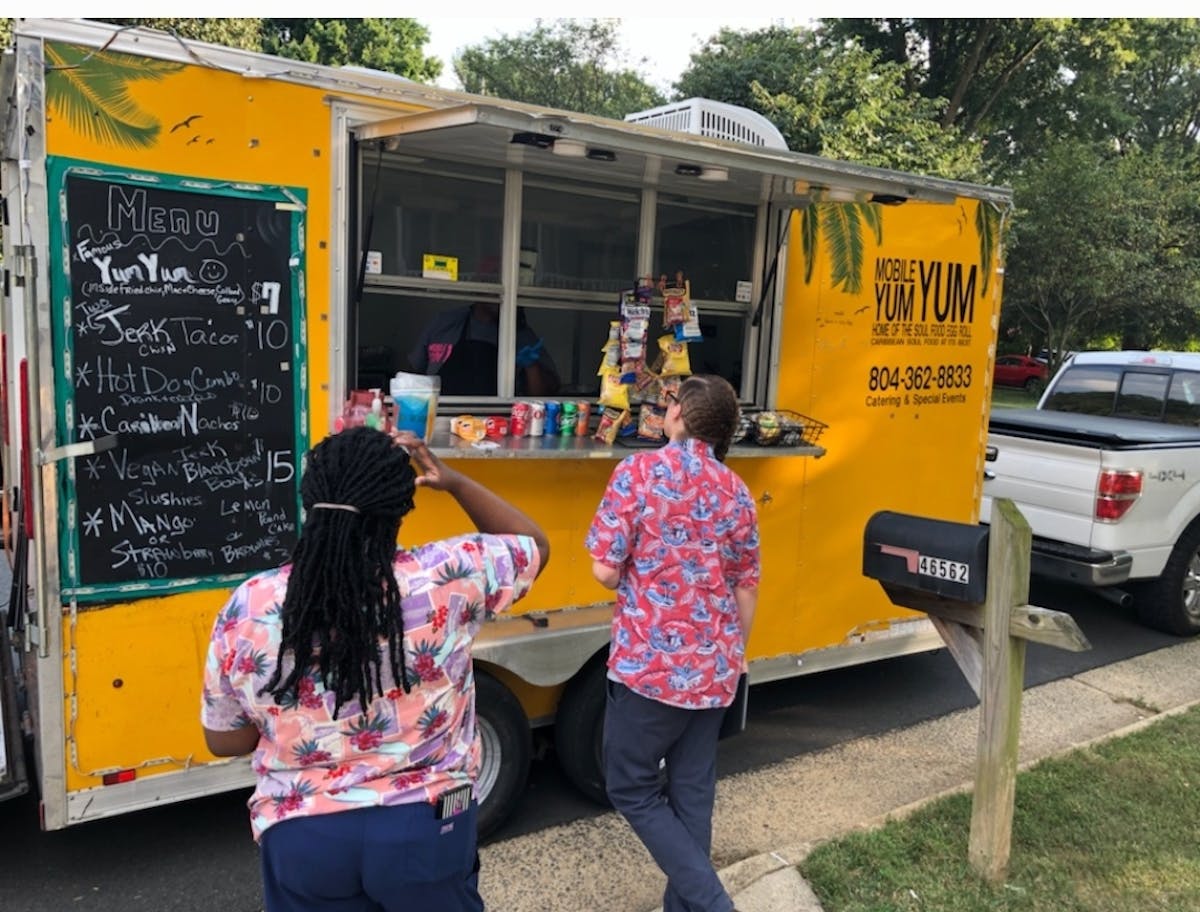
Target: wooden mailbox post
[[987, 639]]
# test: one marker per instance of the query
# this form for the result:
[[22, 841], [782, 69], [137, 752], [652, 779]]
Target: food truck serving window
[[535, 230]]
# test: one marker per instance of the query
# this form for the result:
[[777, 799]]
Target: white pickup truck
[[1106, 469]]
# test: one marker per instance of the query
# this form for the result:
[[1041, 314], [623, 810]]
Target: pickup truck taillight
[[1116, 492]]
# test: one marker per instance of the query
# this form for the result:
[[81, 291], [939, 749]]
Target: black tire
[[507, 746], [579, 729], [1171, 603], [1034, 385]]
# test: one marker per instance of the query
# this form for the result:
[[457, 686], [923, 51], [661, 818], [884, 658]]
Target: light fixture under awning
[[523, 136]]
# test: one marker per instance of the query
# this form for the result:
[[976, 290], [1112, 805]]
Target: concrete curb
[[741, 876]]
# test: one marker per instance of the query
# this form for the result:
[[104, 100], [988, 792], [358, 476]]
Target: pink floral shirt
[[683, 530], [407, 747]]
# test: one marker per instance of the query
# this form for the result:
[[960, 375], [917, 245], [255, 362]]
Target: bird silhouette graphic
[[186, 122], [192, 140]]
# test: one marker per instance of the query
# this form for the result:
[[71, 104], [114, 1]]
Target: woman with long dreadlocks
[[348, 673], [676, 534]]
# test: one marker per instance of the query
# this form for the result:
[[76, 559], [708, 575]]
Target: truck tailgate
[[1053, 485]]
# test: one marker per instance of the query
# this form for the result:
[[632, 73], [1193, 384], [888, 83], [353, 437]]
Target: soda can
[[552, 412], [566, 424], [537, 418], [495, 426], [518, 420], [583, 414]]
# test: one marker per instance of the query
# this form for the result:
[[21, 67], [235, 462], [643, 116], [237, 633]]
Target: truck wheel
[[579, 729], [506, 747], [1171, 603]]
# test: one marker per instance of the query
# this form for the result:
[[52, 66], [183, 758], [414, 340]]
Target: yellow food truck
[[208, 252]]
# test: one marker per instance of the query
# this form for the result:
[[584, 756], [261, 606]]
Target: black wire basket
[[781, 427]]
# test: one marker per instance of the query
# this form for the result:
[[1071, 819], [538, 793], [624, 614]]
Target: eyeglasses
[[672, 397]]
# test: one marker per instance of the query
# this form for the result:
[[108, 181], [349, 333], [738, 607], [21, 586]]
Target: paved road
[[198, 856]]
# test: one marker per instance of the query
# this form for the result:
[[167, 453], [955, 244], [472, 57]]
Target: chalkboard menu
[[180, 319]]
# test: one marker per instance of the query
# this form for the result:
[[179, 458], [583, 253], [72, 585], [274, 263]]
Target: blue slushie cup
[[416, 397]]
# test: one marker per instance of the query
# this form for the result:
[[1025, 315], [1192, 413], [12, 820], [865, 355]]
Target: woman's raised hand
[[431, 471]]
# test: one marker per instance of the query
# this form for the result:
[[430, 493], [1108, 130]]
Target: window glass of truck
[[1183, 399], [1141, 395], [1111, 389], [713, 243], [445, 209], [578, 237], [1088, 389], [577, 244]]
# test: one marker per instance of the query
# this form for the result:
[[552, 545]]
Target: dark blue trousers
[[674, 824], [375, 859]]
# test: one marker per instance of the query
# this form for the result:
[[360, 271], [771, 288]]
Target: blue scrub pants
[[376, 859], [674, 824]]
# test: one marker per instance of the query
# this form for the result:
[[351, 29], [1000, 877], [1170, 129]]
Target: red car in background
[[1020, 370]]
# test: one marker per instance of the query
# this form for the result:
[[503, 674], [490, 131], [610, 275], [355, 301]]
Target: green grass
[[1011, 397], [1113, 828]]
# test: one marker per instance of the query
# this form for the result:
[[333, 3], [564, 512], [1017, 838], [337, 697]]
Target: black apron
[[471, 368]]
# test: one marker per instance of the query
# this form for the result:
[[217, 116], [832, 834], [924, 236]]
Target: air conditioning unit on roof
[[706, 117]]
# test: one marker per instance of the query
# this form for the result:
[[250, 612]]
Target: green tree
[[1160, 297], [1021, 84], [573, 64], [1103, 245], [236, 33], [394, 45], [832, 99]]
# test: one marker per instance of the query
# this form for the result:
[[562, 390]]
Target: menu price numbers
[[272, 335], [280, 466], [920, 377]]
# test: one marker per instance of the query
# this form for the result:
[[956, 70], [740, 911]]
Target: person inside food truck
[[461, 346]]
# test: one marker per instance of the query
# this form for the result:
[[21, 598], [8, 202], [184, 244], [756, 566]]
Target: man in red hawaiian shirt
[[676, 535]]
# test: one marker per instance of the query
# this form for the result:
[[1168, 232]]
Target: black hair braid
[[710, 411], [342, 597]]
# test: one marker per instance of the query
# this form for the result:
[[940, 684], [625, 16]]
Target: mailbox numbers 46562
[[941, 568]]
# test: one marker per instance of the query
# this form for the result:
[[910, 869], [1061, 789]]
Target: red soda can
[[496, 426], [583, 412], [518, 421]]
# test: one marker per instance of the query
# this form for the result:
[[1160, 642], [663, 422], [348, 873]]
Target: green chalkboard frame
[[294, 199]]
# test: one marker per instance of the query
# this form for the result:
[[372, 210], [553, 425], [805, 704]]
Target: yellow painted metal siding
[[134, 670]]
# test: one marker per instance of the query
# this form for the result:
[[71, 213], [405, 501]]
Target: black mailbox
[[927, 555]]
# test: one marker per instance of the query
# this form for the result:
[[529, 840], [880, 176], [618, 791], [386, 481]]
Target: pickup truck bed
[[1051, 465], [1091, 430]]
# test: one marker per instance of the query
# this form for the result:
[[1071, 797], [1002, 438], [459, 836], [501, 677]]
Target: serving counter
[[447, 446]]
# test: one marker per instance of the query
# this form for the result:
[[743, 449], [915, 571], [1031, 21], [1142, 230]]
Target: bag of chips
[[610, 424], [614, 393], [651, 422], [673, 357]]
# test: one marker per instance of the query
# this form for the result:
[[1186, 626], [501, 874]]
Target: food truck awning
[[582, 147]]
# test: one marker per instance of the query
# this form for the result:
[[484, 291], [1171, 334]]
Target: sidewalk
[[766, 821], [1148, 687]]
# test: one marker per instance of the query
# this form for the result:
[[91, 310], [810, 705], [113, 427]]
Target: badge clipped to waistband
[[454, 802]]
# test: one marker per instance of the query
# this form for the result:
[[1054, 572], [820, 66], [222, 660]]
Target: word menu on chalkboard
[[180, 313]]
